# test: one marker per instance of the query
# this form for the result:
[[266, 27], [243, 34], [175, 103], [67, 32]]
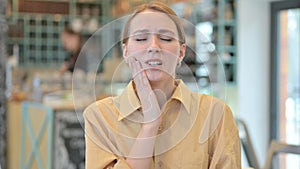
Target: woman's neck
[[163, 90]]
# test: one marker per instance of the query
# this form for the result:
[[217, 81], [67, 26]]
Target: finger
[[141, 74], [137, 73]]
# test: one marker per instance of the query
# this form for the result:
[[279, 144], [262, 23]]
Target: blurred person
[[72, 42], [157, 121]]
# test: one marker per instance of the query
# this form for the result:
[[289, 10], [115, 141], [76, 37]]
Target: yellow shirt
[[197, 132]]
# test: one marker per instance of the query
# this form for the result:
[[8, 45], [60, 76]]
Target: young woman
[[157, 122]]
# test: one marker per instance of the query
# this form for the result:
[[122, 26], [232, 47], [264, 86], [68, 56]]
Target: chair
[[276, 148], [36, 136], [247, 144]]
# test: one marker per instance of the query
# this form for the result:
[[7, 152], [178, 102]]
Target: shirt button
[[160, 164]]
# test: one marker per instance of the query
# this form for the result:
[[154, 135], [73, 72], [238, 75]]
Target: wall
[[253, 71]]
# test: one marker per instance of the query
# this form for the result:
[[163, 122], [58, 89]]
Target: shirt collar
[[183, 94], [128, 102]]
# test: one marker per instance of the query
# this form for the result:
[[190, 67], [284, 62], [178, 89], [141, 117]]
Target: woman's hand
[[150, 106], [141, 152]]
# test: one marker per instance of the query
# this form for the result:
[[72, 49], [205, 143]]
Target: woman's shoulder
[[211, 100], [100, 102], [213, 107], [215, 115], [100, 107]]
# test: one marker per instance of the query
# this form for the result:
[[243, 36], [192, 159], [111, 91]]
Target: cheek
[[172, 52], [134, 50]]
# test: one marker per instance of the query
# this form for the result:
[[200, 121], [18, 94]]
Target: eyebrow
[[161, 31]]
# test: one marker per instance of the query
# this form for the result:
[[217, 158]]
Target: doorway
[[285, 78]]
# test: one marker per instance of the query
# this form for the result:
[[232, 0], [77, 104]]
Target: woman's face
[[153, 41], [70, 42]]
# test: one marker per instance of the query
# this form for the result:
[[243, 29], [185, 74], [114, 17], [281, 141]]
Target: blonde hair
[[159, 7]]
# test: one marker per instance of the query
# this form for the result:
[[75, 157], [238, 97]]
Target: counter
[[68, 132]]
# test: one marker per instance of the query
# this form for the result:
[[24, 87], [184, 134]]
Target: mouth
[[154, 63]]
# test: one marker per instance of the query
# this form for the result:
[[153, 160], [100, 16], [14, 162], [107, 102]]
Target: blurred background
[[246, 52]]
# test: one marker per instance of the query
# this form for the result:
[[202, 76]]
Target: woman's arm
[[141, 153], [98, 158], [227, 151], [63, 68]]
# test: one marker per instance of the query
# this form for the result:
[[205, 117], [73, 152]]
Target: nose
[[154, 44]]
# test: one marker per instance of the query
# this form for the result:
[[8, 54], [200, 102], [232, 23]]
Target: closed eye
[[140, 39], [166, 38]]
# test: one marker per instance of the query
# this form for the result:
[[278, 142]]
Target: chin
[[158, 76]]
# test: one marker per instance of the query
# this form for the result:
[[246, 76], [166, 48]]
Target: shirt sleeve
[[97, 158], [226, 144], [97, 143]]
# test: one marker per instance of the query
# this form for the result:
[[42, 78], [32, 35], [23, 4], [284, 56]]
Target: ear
[[182, 51], [124, 48]]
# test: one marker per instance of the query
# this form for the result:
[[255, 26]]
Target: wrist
[[152, 127]]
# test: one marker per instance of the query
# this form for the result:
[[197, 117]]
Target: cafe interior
[[245, 52]]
